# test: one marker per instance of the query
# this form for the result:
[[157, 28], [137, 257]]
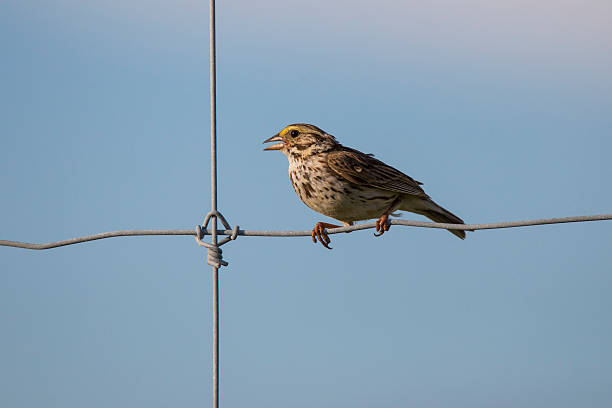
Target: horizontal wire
[[272, 233], [102, 235]]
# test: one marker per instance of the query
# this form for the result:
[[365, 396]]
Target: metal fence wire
[[215, 258], [200, 231]]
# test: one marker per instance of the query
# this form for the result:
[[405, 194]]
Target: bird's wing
[[364, 169]]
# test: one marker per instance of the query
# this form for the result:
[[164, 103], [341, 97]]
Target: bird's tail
[[436, 213]]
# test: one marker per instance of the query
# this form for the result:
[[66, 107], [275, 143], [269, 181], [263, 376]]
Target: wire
[[102, 235], [304, 233]]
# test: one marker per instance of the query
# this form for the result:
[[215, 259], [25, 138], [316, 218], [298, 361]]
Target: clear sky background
[[502, 109]]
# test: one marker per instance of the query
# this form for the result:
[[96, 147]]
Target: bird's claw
[[382, 225], [319, 233]]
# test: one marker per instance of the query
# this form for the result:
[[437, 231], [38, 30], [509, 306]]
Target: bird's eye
[[294, 133]]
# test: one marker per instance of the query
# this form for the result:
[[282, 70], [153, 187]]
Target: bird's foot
[[318, 232], [382, 225]]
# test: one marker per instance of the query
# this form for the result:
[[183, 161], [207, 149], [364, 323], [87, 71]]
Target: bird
[[348, 185]]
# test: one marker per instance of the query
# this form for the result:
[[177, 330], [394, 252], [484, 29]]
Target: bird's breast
[[323, 190]]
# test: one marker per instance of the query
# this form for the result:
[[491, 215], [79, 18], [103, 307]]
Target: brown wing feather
[[364, 169]]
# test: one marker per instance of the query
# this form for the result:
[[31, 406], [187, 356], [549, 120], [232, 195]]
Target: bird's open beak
[[277, 146]]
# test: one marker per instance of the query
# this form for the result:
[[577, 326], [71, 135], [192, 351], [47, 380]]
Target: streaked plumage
[[349, 185]]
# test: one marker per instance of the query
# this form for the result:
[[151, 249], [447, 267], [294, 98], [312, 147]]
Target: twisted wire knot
[[215, 255]]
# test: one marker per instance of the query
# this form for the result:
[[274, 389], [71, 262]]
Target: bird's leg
[[319, 232], [382, 225]]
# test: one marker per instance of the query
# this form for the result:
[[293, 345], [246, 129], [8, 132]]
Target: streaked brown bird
[[348, 185]]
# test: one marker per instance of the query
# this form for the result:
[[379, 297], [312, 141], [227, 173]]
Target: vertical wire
[[215, 337], [213, 194], [213, 120]]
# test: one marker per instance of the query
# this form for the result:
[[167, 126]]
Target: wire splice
[[215, 255]]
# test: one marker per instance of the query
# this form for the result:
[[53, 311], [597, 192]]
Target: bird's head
[[301, 139]]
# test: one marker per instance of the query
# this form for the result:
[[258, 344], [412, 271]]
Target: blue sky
[[503, 110]]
